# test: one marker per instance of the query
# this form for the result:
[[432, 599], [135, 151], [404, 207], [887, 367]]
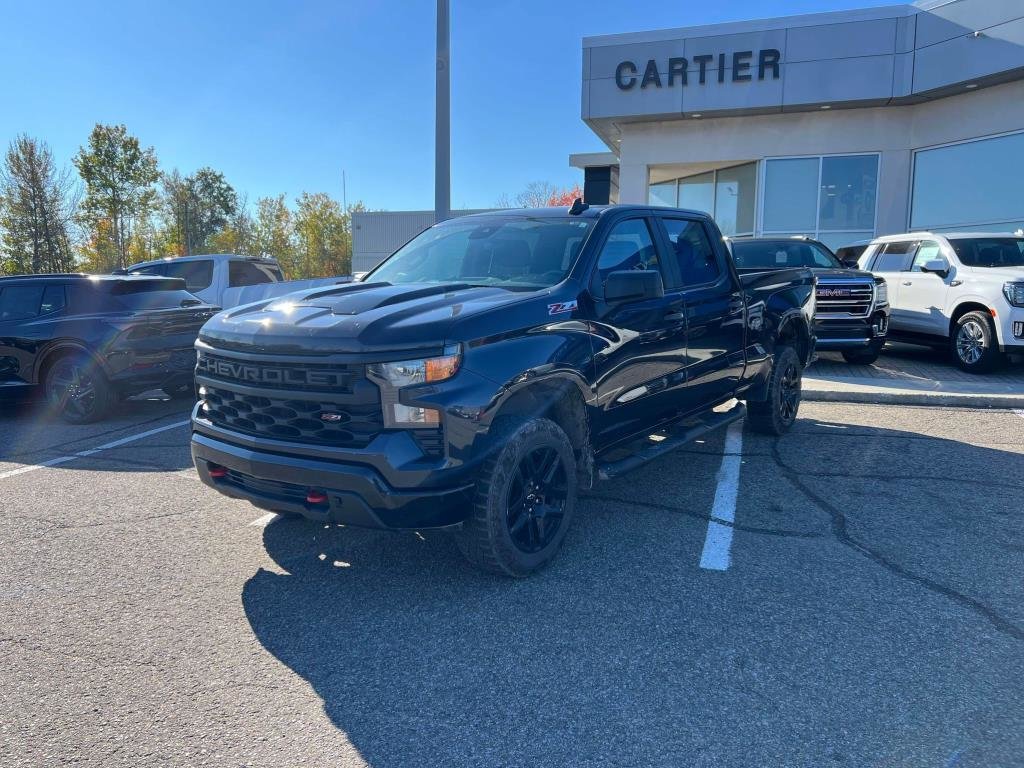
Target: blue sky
[[282, 96]]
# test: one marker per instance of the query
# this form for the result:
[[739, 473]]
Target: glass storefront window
[[791, 195], [735, 198], [697, 193], [663, 193], [847, 195], [969, 186]]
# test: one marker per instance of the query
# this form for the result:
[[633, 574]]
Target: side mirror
[[633, 285], [938, 265]]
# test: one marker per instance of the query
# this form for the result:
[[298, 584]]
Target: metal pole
[[442, 118]]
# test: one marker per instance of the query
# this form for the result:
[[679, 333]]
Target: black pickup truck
[[491, 367]]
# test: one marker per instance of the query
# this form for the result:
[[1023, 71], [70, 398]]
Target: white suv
[[961, 290]]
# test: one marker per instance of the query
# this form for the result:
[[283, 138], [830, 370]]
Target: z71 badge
[[565, 306]]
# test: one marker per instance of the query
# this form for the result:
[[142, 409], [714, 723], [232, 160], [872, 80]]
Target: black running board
[[685, 432]]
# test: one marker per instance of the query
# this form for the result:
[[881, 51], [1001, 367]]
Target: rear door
[[641, 345], [715, 328], [892, 261], [26, 315]]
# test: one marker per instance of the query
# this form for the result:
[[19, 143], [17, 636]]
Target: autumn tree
[[536, 194], [272, 232], [565, 197], [195, 208], [37, 206], [322, 236], [119, 178], [238, 235]]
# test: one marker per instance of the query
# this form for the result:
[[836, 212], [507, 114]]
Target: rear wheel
[[974, 343], [777, 412], [77, 390], [525, 500]]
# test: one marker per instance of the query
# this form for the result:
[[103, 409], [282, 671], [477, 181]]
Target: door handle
[[907, 282], [674, 317]]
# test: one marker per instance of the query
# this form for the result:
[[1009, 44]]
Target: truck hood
[[354, 318], [840, 274]]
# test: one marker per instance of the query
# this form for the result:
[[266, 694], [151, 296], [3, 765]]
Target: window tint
[[694, 255], [629, 246], [152, 269], [20, 302], [197, 274], [927, 251], [990, 251], [53, 299], [250, 273], [894, 258]]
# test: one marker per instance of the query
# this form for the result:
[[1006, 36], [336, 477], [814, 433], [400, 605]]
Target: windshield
[[507, 251], [781, 254], [989, 251]]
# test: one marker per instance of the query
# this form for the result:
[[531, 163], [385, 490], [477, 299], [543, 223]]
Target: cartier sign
[[744, 65]]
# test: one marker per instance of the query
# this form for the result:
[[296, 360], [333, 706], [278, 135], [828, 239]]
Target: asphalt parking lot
[[863, 607]]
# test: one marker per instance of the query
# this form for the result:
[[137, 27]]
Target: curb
[[905, 397]]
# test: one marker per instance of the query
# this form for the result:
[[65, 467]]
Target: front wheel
[[776, 413], [77, 390], [525, 500], [974, 342]]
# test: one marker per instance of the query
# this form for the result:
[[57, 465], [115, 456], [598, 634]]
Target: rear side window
[[629, 246], [197, 274], [152, 269], [251, 273], [895, 257], [20, 302], [696, 259], [53, 299]]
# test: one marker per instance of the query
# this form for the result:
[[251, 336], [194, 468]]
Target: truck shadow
[[623, 651]]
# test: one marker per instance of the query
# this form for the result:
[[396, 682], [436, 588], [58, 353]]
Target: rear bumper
[[355, 494]]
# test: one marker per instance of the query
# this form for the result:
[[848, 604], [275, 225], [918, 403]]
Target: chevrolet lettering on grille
[[259, 374]]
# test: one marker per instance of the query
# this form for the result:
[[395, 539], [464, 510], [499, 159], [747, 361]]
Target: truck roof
[[591, 212], [65, 276], [206, 256]]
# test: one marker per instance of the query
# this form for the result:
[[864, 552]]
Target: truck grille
[[303, 377], [844, 299]]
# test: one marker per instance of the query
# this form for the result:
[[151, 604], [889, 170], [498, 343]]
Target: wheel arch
[[60, 350], [961, 309]]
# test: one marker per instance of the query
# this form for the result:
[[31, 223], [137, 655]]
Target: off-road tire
[[974, 343], [485, 538], [778, 411], [78, 373]]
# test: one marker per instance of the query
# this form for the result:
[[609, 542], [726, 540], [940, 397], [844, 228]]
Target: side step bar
[[686, 432]]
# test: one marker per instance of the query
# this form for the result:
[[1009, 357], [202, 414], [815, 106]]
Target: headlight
[[1014, 293], [409, 373], [881, 293]]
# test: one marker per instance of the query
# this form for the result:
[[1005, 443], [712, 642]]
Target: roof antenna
[[577, 207]]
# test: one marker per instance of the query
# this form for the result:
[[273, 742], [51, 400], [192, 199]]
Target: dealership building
[[839, 125]]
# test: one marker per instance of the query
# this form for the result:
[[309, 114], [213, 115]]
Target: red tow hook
[[316, 497], [217, 471]]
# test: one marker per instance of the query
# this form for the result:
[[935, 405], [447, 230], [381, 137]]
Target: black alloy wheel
[[78, 392], [536, 499], [789, 392]]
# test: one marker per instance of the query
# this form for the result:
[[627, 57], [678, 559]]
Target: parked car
[[228, 280], [490, 366], [961, 291], [88, 340], [849, 255], [852, 313]]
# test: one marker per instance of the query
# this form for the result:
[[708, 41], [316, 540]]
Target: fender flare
[[58, 349]]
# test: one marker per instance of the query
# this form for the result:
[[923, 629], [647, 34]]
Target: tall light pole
[[442, 119]]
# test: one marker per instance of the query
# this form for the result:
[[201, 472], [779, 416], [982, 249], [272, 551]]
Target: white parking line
[[90, 451], [267, 519], [718, 540]]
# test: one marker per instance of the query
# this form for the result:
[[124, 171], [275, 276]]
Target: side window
[[197, 274], [927, 251], [152, 269], [698, 264], [247, 273], [819, 258], [895, 257], [629, 246], [53, 299], [20, 302]]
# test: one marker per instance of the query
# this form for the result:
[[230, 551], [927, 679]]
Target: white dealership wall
[[888, 80]]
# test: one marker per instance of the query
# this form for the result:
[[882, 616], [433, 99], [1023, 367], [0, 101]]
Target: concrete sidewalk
[[909, 375]]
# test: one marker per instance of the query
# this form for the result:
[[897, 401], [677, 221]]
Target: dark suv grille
[[320, 421], [846, 299]]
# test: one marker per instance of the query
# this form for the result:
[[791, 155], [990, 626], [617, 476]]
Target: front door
[[893, 263], [640, 346], [715, 324], [922, 297]]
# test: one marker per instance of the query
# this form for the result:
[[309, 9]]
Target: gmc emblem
[[258, 374], [833, 292]]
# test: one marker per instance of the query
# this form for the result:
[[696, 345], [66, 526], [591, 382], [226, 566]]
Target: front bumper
[[356, 494], [1011, 331], [838, 335]]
